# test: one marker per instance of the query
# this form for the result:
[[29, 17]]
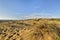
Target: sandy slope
[[35, 29]]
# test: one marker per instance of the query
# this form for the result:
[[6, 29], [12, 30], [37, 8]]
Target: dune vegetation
[[31, 29]]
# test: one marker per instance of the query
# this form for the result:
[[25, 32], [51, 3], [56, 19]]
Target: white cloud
[[39, 15], [30, 16]]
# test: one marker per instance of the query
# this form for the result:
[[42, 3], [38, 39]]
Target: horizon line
[[30, 18]]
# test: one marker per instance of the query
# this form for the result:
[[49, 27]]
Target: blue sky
[[24, 9]]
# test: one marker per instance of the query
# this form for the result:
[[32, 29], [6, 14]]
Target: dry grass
[[34, 29]]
